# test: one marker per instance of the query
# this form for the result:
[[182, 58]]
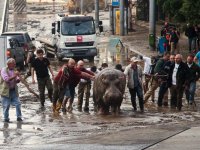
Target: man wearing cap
[[9, 91], [157, 76], [134, 74]]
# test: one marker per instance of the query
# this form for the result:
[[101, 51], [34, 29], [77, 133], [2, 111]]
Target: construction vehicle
[[74, 36], [74, 6], [3, 47]]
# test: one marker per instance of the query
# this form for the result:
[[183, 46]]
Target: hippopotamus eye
[[105, 80]]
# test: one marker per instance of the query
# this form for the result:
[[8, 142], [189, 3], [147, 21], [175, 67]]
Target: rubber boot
[[54, 107], [58, 106]]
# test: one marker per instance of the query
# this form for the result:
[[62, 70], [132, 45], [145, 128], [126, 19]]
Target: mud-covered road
[[41, 129]]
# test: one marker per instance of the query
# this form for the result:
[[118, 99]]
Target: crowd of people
[[168, 73], [171, 36]]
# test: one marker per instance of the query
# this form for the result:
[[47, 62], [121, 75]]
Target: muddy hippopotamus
[[108, 90]]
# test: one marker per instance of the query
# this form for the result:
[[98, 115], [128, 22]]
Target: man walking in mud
[[41, 66], [64, 85], [134, 73], [84, 86], [194, 74], [179, 80], [9, 91], [156, 78], [76, 73]]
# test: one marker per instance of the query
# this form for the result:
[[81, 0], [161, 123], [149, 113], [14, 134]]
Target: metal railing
[[4, 23]]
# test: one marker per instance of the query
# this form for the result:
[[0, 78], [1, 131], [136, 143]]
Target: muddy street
[[41, 129]]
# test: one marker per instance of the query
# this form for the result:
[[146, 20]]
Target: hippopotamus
[[108, 90]]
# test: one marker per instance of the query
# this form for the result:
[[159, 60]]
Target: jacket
[[129, 73], [182, 75], [194, 73], [4, 88]]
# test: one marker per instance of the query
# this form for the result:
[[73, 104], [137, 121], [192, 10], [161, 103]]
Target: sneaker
[[6, 120], [19, 119]]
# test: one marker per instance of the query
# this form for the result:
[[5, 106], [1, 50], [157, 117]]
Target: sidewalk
[[138, 41], [187, 140]]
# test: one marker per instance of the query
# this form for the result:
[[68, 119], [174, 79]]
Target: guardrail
[[4, 23]]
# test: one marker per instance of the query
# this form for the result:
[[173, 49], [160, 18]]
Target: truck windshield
[[78, 28]]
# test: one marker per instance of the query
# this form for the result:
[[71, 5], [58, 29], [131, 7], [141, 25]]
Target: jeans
[[137, 90], [12, 100], [192, 43], [190, 92]]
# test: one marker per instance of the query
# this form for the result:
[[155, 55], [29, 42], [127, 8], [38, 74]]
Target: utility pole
[[97, 14], [54, 6], [81, 7], [121, 7], [152, 25]]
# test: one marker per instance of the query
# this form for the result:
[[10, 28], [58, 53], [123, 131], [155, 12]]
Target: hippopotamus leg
[[103, 110], [115, 109]]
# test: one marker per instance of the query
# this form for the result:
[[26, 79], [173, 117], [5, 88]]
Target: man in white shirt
[[179, 79], [148, 71]]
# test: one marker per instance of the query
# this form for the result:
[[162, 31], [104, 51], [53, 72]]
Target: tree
[[191, 11], [172, 7]]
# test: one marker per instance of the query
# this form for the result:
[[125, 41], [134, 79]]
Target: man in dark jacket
[[156, 78], [165, 81], [194, 74], [178, 81], [191, 34]]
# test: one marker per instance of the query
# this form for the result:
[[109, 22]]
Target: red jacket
[[76, 78], [70, 76]]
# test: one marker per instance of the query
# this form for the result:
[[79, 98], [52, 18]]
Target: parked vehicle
[[24, 39], [14, 50]]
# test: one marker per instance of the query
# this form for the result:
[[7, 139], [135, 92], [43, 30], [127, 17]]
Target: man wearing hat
[[134, 74]]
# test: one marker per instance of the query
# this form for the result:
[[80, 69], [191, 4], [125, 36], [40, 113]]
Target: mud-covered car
[[14, 50], [24, 39]]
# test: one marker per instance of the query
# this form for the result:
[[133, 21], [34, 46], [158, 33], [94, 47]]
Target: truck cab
[[75, 37]]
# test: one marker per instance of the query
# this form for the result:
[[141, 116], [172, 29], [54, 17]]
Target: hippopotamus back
[[108, 89]]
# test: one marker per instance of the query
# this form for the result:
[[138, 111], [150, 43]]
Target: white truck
[[74, 37]]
